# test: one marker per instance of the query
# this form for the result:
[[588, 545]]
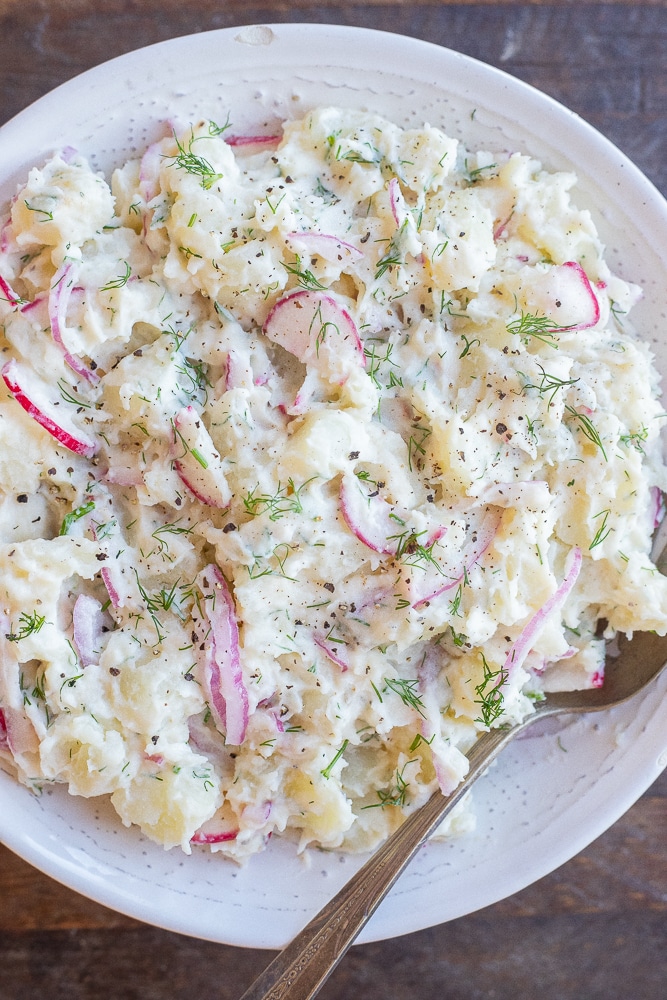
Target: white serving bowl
[[550, 794]]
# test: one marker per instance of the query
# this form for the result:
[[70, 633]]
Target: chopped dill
[[603, 530], [407, 692], [75, 515], [587, 428], [305, 278], [326, 772], [396, 794], [286, 500], [490, 693], [193, 164], [118, 282], [28, 625], [541, 328]]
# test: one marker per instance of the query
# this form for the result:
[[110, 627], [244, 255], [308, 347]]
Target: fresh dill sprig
[[67, 394], [75, 515], [286, 500], [636, 439], [167, 529], [587, 428], [407, 692], [375, 361], [549, 384], [490, 692], [118, 282], [416, 450], [28, 625], [540, 328], [305, 278], [396, 794], [475, 173], [412, 552], [603, 530], [196, 372], [326, 772], [193, 164], [393, 257]]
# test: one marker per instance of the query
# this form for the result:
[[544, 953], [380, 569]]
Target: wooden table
[[597, 928]]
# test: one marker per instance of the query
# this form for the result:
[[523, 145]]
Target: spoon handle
[[302, 967]]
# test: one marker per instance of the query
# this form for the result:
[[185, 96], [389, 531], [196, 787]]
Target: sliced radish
[[214, 832], [313, 326], [253, 140], [374, 521], [115, 573], [8, 293], [329, 247], [200, 467], [335, 651], [398, 207], [30, 392], [369, 518], [20, 736], [597, 680], [87, 622], [564, 294], [658, 501], [59, 296], [220, 657], [4, 741], [525, 641], [432, 584], [29, 306]]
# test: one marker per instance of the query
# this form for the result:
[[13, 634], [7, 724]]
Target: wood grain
[[595, 928]]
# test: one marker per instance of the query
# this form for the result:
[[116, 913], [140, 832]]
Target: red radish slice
[[311, 325], [87, 621], [253, 140], [30, 393], [21, 735], [597, 680], [369, 518], [658, 501], [8, 293], [200, 468], [59, 296], [446, 780], [375, 522], [472, 553], [222, 673], [335, 654], [4, 741], [109, 582], [398, 207], [116, 573], [329, 247], [565, 295], [209, 835], [524, 643], [29, 306]]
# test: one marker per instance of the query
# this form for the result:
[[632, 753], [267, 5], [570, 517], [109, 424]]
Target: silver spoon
[[300, 970]]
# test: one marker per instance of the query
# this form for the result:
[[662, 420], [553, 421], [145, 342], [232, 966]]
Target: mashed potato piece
[[320, 455]]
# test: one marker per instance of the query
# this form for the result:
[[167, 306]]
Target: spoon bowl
[[300, 970]]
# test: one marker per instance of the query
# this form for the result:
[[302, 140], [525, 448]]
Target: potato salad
[[321, 453]]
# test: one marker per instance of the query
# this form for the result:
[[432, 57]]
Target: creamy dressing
[[320, 454]]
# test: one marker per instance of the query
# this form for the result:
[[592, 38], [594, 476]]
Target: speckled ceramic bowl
[[551, 793]]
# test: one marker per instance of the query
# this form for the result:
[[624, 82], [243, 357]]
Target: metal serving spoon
[[302, 967]]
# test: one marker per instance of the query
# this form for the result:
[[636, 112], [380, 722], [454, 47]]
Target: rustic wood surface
[[596, 929]]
